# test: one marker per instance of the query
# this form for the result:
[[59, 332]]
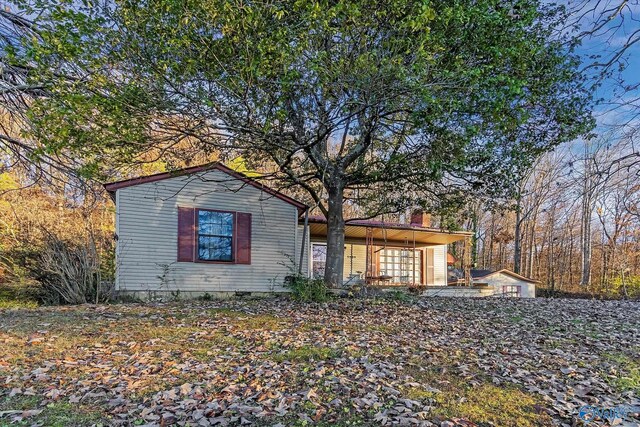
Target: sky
[[613, 108]]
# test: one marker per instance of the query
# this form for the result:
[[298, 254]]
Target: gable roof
[[112, 187], [481, 274]]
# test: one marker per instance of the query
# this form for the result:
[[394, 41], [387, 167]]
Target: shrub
[[205, 297], [398, 295], [627, 287], [417, 289], [306, 289], [70, 273]]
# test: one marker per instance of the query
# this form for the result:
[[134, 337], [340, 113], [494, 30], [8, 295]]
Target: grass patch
[[10, 300], [58, 414], [482, 404], [627, 375], [249, 321], [516, 318], [306, 353]]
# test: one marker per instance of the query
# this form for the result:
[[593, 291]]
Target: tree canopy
[[381, 105]]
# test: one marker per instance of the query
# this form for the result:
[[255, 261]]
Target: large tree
[[380, 105]]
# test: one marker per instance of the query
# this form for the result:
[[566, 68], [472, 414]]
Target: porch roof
[[389, 231]]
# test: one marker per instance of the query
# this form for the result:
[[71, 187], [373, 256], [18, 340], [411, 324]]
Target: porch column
[[466, 261]]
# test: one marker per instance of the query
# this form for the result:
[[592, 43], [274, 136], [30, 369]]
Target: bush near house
[[53, 250], [307, 289]]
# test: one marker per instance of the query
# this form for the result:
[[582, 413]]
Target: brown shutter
[[243, 238], [186, 235]]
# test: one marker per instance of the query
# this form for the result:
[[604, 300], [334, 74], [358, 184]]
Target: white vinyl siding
[[499, 280], [355, 261], [147, 226]]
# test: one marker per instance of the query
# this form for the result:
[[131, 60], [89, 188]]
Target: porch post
[[366, 256], [413, 260], [466, 261], [304, 241]]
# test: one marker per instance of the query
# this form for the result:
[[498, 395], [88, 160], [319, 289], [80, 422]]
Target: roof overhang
[[389, 233]]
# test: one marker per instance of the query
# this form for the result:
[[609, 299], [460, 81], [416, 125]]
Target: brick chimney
[[421, 219]]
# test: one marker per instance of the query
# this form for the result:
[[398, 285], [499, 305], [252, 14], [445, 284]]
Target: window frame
[[418, 256], [313, 262], [196, 246], [509, 290]]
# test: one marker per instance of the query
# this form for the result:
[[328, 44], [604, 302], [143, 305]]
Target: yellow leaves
[[154, 167], [239, 164], [7, 182]]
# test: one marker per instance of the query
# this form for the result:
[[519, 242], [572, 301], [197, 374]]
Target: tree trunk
[[474, 243], [585, 228], [335, 238], [532, 243], [517, 244]]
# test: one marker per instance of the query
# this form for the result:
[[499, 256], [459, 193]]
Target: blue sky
[[610, 39]]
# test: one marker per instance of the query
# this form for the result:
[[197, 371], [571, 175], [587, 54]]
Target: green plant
[[205, 297], [306, 289], [397, 295]]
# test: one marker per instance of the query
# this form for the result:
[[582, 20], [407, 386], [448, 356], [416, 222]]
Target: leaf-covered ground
[[426, 362]]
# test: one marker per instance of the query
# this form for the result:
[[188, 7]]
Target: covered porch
[[386, 254]]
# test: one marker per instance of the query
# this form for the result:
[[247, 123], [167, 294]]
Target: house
[[212, 229], [506, 283]]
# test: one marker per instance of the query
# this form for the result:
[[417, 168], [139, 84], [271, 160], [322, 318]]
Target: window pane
[[213, 248], [215, 223], [403, 265], [319, 260], [319, 253]]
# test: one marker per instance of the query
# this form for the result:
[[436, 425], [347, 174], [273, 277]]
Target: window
[[401, 265], [215, 235], [511, 290], [318, 260]]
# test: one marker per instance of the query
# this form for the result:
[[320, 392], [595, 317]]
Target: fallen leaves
[[363, 361]]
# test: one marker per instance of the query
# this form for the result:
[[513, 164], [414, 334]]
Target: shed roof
[[481, 274], [112, 187]]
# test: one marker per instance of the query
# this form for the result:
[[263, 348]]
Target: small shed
[[506, 283]]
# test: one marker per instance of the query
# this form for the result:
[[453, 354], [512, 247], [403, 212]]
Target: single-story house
[[506, 283], [210, 229]]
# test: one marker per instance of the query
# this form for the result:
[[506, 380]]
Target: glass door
[[404, 266]]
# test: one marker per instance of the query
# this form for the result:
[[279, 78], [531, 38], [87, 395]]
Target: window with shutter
[[215, 235], [206, 235]]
